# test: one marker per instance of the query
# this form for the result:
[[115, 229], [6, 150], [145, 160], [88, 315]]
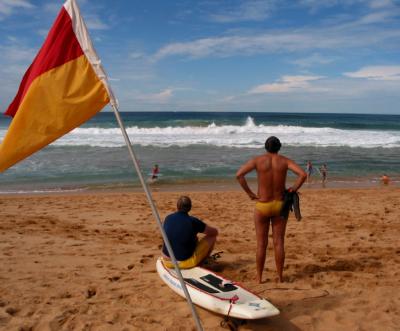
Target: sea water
[[194, 147]]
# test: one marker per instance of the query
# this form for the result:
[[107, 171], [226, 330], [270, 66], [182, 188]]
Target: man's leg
[[211, 243], [203, 250], [262, 227], [278, 236]]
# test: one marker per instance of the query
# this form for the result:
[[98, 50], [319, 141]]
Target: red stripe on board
[[60, 46]]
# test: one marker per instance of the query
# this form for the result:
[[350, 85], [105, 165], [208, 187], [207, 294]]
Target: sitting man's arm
[[210, 231], [211, 237]]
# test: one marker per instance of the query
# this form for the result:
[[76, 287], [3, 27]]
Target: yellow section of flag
[[64, 87], [57, 102]]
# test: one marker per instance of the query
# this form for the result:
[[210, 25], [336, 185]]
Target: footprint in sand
[[146, 258], [90, 292], [12, 311], [65, 295], [61, 319], [25, 328]]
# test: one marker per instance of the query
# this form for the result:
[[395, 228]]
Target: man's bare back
[[271, 171]]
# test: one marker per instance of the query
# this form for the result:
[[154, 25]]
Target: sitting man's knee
[[210, 231], [211, 240]]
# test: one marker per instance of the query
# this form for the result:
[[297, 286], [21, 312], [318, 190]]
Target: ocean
[[199, 147]]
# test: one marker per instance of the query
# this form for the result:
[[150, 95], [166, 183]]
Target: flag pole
[[156, 215]]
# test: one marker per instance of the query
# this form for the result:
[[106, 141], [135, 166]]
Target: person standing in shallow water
[[155, 171], [324, 174], [309, 168], [271, 171], [385, 179]]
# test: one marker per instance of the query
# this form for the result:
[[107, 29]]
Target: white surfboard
[[213, 292]]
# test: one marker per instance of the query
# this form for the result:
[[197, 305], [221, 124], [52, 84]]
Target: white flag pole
[[156, 215]]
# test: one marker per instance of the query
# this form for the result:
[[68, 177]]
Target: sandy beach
[[86, 261]]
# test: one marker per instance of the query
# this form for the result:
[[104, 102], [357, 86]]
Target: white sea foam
[[248, 135], [31, 191]]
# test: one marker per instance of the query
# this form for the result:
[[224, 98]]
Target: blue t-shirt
[[182, 230]]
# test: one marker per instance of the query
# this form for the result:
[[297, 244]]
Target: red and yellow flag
[[64, 87]]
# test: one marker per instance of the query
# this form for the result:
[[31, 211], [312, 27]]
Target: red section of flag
[[61, 46]]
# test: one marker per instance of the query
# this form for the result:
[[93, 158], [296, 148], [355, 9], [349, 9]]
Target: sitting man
[[182, 230]]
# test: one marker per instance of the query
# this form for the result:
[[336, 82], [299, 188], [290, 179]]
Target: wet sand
[[86, 261]]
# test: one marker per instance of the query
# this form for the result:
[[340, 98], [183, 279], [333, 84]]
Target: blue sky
[[255, 55]]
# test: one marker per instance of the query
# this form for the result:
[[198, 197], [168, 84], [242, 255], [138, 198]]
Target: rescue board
[[215, 293]]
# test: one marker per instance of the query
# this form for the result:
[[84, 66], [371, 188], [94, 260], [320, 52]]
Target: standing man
[[271, 171]]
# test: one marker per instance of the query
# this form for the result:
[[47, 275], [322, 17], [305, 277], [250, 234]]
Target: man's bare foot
[[280, 279], [259, 280]]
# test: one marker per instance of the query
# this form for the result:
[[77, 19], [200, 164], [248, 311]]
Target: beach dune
[[86, 261]]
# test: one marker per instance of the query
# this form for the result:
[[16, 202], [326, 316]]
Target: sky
[[324, 56]]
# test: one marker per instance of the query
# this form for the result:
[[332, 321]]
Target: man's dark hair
[[184, 204], [273, 144]]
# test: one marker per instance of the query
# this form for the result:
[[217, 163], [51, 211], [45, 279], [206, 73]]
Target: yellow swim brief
[[200, 253], [269, 209]]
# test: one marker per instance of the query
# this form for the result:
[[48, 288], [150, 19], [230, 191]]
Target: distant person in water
[[309, 169], [181, 230], [385, 179], [324, 173], [271, 171], [155, 172]]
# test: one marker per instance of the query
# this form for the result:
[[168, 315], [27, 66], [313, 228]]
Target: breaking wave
[[249, 135]]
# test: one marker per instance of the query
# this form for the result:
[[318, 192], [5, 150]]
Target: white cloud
[[378, 17], [136, 55], [8, 6], [381, 3], [316, 5], [161, 97], [281, 41], [254, 10], [344, 32], [92, 21], [52, 7], [231, 45], [95, 23], [313, 59], [43, 32], [17, 53], [376, 73], [12, 39], [14, 62], [229, 98], [286, 84]]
